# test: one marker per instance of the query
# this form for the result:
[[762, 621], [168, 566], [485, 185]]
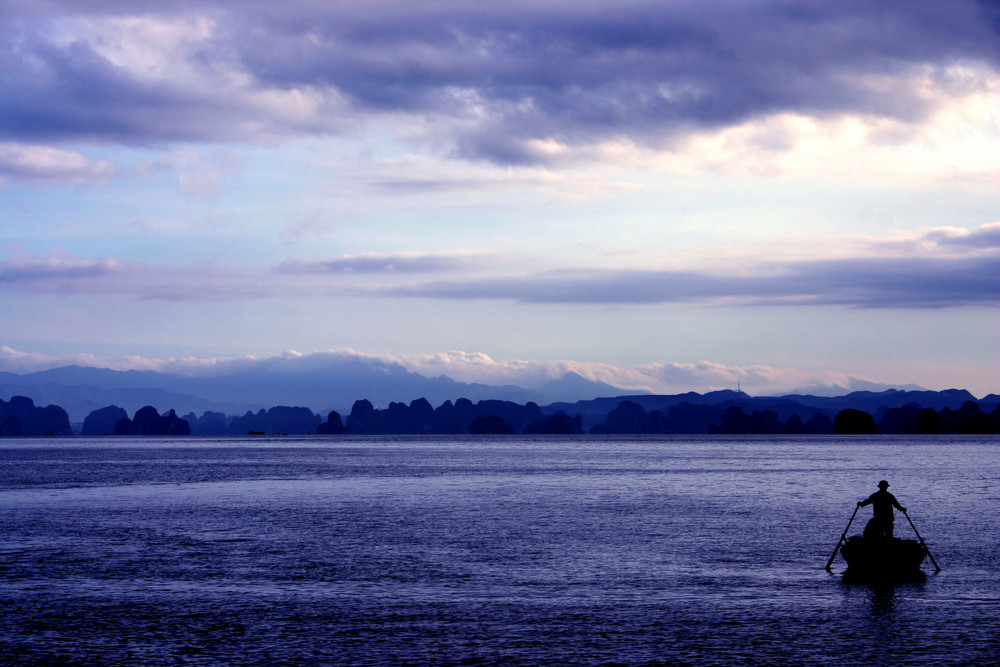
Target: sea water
[[489, 551]]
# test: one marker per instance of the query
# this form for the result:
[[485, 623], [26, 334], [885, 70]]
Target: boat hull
[[883, 558]]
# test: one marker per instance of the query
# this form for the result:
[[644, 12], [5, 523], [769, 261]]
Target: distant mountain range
[[335, 384], [331, 385]]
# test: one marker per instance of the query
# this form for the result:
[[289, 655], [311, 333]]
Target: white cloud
[[151, 48], [957, 143], [197, 176], [475, 367], [53, 166], [657, 378]]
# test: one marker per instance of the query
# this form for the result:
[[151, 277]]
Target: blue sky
[[667, 196]]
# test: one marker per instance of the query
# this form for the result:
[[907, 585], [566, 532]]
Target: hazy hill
[[871, 401], [573, 386], [319, 384], [324, 383], [594, 411], [80, 393], [874, 403]]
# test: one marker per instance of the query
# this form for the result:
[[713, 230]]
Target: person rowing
[[882, 503]]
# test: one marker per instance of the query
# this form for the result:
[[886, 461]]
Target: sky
[[661, 195]]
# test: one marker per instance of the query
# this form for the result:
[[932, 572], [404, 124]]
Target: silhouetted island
[[20, 417], [147, 421], [103, 421], [715, 413]]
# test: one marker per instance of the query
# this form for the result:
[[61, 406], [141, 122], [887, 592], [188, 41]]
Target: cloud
[[861, 282], [922, 271], [69, 74], [472, 367], [51, 166], [309, 225], [58, 268], [461, 185], [196, 176], [62, 273], [406, 262], [16, 361], [505, 82], [987, 236], [668, 377]]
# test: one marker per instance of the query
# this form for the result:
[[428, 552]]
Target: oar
[[830, 562], [937, 568]]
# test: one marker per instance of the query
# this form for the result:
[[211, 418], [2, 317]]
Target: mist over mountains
[[291, 396], [334, 384], [324, 383]]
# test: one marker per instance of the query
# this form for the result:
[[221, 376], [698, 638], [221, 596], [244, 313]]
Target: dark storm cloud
[[869, 283], [491, 76]]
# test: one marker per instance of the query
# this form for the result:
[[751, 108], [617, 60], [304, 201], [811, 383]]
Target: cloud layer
[[407, 262], [940, 268], [863, 282], [498, 81], [665, 378]]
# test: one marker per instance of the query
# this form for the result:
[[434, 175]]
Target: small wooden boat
[[890, 559], [874, 556]]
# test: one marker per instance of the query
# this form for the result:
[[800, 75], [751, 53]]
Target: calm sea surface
[[489, 551]]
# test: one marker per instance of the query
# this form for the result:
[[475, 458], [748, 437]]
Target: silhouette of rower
[[882, 503]]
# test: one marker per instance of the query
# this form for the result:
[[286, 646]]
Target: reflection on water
[[884, 598], [477, 551]]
